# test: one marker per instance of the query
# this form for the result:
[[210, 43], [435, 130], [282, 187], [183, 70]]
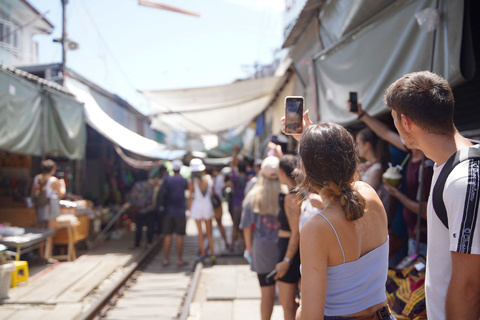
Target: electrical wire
[[110, 52]]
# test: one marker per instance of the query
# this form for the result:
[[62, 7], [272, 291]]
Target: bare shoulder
[[55, 181], [364, 188], [293, 199], [316, 229], [373, 204]]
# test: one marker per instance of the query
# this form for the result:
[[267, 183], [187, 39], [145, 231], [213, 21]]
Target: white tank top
[[51, 194]]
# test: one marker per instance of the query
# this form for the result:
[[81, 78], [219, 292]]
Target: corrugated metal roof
[[33, 78]]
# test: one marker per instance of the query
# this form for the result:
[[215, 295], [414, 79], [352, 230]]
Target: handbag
[[216, 202], [40, 195]]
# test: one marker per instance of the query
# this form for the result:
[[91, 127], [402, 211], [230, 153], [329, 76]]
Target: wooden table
[[32, 239]]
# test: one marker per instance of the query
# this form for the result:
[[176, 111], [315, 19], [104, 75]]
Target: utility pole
[[64, 38]]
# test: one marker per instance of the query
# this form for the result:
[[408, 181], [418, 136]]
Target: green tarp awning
[[38, 120]]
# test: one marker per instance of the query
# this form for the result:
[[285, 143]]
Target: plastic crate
[[5, 279]]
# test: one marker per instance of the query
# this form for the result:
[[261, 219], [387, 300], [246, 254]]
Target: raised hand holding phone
[[293, 114], [306, 122], [353, 102]]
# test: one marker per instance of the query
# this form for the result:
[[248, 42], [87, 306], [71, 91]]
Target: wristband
[[287, 260], [361, 115]]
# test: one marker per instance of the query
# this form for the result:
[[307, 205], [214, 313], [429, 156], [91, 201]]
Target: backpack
[[40, 195], [452, 162]]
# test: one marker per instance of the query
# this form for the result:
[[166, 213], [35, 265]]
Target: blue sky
[[125, 47]]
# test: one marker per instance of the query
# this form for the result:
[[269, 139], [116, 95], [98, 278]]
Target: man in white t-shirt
[[422, 106]]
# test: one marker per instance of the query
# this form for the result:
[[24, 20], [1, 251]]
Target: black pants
[[158, 222], [144, 219]]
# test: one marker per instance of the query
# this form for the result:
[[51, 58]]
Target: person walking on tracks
[[141, 200], [200, 205], [172, 196], [422, 106]]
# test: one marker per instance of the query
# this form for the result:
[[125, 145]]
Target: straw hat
[[196, 165]]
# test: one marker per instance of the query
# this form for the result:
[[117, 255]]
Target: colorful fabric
[[141, 196], [406, 294]]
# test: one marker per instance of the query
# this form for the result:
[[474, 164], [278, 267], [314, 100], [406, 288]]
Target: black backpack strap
[[437, 195]]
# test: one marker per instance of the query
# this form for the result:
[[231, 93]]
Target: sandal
[[182, 264], [165, 263]]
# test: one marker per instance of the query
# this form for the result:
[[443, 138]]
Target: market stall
[[38, 119]]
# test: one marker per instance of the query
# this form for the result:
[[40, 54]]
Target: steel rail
[[191, 291], [97, 307]]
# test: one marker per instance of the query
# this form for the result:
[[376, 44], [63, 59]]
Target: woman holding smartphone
[[344, 247]]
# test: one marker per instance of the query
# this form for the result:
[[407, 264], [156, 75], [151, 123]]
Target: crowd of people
[[323, 225]]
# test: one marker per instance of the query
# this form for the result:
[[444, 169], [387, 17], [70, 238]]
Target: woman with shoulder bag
[[47, 190]]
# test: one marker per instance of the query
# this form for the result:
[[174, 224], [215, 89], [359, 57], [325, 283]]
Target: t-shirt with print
[[265, 235], [462, 198], [174, 195]]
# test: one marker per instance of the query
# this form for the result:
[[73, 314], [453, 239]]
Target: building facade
[[19, 23]]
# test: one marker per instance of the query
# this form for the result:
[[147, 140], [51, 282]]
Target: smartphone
[[269, 277], [353, 102], [294, 115]]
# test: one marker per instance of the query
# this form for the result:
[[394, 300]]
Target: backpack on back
[[40, 195], [472, 153]]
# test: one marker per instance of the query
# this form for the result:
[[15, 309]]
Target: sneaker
[[213, 260]]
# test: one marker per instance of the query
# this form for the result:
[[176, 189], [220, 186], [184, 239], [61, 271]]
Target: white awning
[[115, 132], [212, 109]]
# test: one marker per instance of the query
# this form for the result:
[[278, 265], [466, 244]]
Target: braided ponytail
[[352, 201]]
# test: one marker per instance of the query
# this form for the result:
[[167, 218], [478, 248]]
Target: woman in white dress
[[200, 205]]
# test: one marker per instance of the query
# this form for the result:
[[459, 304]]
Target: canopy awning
[[387, 46], [212, 109], [115, 132], [39, 117]]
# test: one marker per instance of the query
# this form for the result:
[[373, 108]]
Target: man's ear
[[407, 123]]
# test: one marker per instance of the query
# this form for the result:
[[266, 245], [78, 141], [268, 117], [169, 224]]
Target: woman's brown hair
[[327, 153]]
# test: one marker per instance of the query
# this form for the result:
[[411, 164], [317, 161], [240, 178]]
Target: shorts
[[263, 282], [293, 273], [48, 212], [237, 216], [218, 212], [174, 225]]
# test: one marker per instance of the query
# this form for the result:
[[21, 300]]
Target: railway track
[[146, 289]]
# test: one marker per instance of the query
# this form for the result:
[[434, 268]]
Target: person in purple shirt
[[237, 182], [172, 195]]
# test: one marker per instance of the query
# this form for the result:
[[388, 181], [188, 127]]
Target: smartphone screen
[[294, 115], [353, 102]]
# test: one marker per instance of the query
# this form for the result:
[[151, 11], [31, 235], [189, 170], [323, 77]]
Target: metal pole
[[64, 38], [44, 115]]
